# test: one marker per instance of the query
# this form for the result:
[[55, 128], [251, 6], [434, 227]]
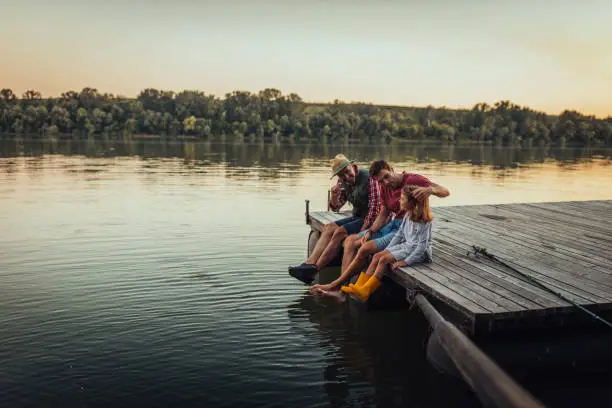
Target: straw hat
[[339, 163]]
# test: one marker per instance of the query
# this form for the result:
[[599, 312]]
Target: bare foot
[[328, 287], [336, 294]]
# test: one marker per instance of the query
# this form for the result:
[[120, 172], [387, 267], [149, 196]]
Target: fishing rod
[[483, 251]]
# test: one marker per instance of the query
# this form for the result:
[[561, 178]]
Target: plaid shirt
[[374, 200]]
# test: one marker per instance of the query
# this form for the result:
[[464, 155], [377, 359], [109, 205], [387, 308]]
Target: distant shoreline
[[271, 115], [219, 140]]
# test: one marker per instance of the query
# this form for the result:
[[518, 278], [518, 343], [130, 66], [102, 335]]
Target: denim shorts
[[352, 225], [383, 237]]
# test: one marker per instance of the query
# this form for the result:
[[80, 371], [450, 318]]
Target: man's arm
[[433, 189], [439, 191], [380, 222], [338, 197], [373, 203]]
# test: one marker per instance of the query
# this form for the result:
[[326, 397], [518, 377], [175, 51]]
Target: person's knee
[[330, 228], [367, 249], [386, 257], [352, 240], [349, 246], [340, 233]]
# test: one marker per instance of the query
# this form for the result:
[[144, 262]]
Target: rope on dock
[[491, 384], [483, 251]]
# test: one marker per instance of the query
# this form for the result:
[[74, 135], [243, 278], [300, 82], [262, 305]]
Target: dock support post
[[307, 212], [491, 384]]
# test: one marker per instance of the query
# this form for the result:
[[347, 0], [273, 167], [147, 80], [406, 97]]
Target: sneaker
[[303, 272]]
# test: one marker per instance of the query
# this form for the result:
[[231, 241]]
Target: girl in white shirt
[[410, 245]]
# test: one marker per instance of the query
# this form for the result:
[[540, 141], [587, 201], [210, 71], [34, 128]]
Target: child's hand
[[398, 264]]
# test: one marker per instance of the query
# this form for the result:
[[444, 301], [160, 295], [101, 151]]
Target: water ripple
[[161, 285]]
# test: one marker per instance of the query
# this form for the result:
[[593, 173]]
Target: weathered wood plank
[[550, 244], [557, 215], [544, 223], [591, 209], [542, 240], [578, 211], [554, 279], [530, 259], [561, 287], [324, 217], [500, 283], [488, 290], [441, 291]]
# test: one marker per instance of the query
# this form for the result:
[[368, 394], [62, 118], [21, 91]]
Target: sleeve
[[340, 199], [418, 180], [374, 199], [419, 245], [399, 236]]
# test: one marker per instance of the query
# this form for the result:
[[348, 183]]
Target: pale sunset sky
[[550, 55]]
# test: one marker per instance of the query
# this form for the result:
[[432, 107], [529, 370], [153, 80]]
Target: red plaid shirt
[[374, 200]]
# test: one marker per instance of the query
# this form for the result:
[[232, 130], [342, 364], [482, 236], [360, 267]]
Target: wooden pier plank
[[521, 228], [541, 240], [498, 282], [420, 279], [567, 246], [512, 280], [532, 259], [523, 214]]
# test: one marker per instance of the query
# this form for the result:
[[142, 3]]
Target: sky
[[549, 55]]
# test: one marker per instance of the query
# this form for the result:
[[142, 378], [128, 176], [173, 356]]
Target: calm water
[[151, 274]]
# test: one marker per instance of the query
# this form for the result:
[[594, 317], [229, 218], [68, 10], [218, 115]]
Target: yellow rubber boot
[[364, 292], [348, 289], [363, 278]]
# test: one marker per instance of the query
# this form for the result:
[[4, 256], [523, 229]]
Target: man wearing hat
[[359, 189]]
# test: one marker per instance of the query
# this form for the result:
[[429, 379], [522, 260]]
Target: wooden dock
[[565, 245]]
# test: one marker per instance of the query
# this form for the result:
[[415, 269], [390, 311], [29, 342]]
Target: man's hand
[[420, 193], [398, 264], [337, 189], [335, 202]]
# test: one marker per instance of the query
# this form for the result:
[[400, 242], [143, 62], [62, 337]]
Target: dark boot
[[304, 272]]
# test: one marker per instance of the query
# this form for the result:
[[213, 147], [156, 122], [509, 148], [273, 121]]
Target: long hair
[[418, 210]]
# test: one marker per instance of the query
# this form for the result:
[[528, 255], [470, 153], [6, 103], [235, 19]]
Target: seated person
[[356, 187], [359, 247], [410, 245]]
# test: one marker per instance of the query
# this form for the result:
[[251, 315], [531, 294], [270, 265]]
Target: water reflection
[[273, 156], [381, 354], [476, 174], [103, 230]]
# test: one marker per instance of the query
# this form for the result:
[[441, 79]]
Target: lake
[[147, 273]]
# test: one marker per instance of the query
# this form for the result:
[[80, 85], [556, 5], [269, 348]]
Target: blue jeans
[[383, 237]]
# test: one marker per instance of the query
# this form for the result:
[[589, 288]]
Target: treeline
[[270, 115]]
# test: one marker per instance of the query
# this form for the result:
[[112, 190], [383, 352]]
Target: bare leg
[[374, 264], [326, 235], [384, 259], [332, 248], [351, 245], [367, 249], [356, 265]]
